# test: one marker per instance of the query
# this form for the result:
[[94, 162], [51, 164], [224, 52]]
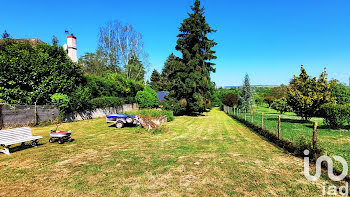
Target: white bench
[[10, 137]]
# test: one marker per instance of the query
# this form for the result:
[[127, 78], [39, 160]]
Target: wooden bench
[[10, 137]]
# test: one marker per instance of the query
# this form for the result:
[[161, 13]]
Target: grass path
[[206, 155]]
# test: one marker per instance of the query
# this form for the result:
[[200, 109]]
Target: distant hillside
[[264, 86]]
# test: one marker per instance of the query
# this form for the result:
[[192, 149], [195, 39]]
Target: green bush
[[281, 105], [147, 98], [106, 101], [335, 115], [114, 85], [31, 73], [61, 101]]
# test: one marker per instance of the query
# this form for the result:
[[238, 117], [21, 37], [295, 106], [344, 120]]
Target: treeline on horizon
[[305, 96]]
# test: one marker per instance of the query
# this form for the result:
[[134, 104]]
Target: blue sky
[[267, 39]]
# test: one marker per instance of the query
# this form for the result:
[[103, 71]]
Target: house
[[161, 95], [70, 47]]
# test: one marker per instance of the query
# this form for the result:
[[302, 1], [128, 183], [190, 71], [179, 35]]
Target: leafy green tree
[[61, 101], [156, 81], [281, 105], [190, 85], [340, 92], [306, 95], [95, 64], [134, 69], [147, 98], [31, 73], [246, 93], [231, 100], [273, 94]]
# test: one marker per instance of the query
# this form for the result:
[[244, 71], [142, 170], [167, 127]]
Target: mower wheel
[[52, 140], [61, 141]]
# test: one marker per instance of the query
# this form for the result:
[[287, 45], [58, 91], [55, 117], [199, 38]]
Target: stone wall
[[98, 113], [16, 115]]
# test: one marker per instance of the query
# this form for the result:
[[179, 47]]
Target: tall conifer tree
[[246, 93], [190, 86]]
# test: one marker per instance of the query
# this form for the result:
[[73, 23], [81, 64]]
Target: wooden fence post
[[262, 120], [314, 137], [279, 127], [252, 116]]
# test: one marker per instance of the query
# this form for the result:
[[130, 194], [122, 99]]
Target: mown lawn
[[333, 142], [207, 155]]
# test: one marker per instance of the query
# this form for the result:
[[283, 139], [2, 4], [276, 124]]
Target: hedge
[[106, 101], [147, 98], [335, 115]]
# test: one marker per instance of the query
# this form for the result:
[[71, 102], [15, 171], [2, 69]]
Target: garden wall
[[18, 115], [26, 114], [98, 113]]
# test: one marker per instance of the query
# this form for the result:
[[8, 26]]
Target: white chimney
[[72, 47]]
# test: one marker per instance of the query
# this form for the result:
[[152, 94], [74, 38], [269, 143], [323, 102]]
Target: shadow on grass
[[22, 147], [347, 127], [290, 120]]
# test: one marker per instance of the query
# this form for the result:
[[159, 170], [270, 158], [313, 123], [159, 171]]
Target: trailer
[[122, 119]]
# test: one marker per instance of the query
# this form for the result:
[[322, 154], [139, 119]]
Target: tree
[[31, 73], [54, 40], [281, 105], [156, 81], [306, 95], [120, 44], [231, 100], [274, 94], [190, 85], [246, 94], [340, 92], [5, 35], [134, 70], [95, 64], [147, 98], [166, 71]]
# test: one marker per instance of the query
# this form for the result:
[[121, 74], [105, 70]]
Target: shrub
[[178, 107], [61, 101], [230, 100], [147, 98], [106, 101], [335, 115], [80, 99], [114, 85], [33, 72], [281, 105]]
